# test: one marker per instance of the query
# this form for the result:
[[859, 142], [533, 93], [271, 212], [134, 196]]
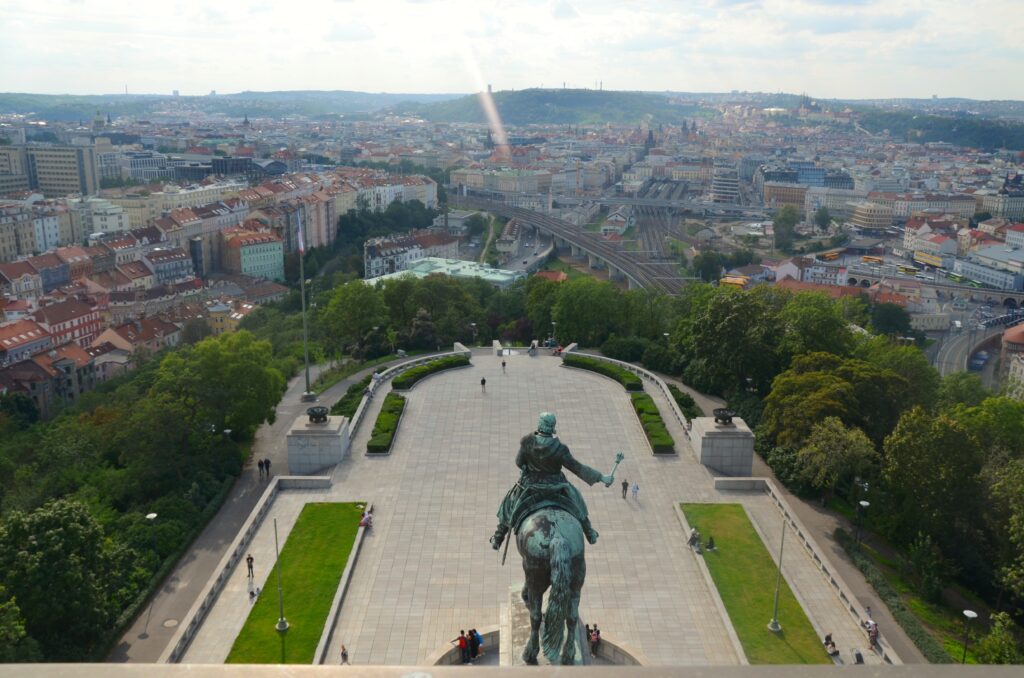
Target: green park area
[[745, 576], [312, 561]]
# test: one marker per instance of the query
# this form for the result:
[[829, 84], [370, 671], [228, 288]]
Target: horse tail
[[560, 599]]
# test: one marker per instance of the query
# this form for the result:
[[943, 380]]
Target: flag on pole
[[302, 245]]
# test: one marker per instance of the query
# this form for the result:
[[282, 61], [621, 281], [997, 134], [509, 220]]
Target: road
[[147, 638], [957, 349]]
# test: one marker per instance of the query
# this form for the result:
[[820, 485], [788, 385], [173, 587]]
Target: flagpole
[[307, 395]]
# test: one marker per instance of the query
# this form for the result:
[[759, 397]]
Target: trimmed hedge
[[629, 381], [929, 646], [349, 403], [405, 380], [386, 426], [654, 428], [686, 403]]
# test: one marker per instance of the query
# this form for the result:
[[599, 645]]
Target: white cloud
[[855, 48]]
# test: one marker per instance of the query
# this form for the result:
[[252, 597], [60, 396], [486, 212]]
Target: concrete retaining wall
[[324, 646], [194, 619]]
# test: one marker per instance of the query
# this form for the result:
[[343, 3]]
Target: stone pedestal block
[[726, 448], [315, 447]]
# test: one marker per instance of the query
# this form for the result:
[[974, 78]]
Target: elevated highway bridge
[[621, 264]]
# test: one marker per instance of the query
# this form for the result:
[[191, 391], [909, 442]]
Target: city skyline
[[827, 48]]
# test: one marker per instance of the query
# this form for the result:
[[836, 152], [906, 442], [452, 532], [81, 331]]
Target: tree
[[961, 388], [931, 468], [707, 265], [15, 643], [59, 567], [999, 645], [195, 330], [225, 382], [784, 224], [834, 454], [354, 310], [922, 380], [588, 311], [18, 409], [822, 218], [1007, 493], [890, 320], [813, 322]]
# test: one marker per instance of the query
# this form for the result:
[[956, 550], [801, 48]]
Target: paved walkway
[[426, 570], [150, 634]]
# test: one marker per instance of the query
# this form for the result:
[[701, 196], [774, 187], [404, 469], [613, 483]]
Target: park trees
[[890, 320], [822, 218], [833, 454], [785, 223], [813, 322], [354, 309], [64, 575], [931, 471], [588, 311]]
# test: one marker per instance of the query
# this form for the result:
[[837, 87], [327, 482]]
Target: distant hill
[[961, 130], [254, 104], [560, 106]]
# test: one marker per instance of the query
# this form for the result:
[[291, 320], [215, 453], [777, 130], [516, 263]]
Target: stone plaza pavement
[[426, 570]]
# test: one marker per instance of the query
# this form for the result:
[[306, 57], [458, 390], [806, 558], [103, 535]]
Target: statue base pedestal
[[315, 447], [515, 627], [725, 448]]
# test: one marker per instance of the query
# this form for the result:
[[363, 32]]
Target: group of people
[[871, 626], [636, 489], [694, 541], [264, 466], [470, 645], [594, 637], [366, 519], [830, 646]]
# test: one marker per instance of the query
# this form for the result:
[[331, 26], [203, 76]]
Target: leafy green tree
[[353, 311], [999, 645], [822, 218], [59, 568], [225, 382], [931, 466], [18, 411], [997, 423], [784, 224], [813, 322], [834, 454], [922, 380], [15, 643], [1007, 494], [708, 265], [588, 311], [730, 337], [195, 330], [890, 320], [961, 388]]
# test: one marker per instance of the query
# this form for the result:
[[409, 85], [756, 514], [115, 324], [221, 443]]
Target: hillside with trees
[[561, 106], [962, 130]]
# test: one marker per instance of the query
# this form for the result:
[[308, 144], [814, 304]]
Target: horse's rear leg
[[569, 649], [533, 599]]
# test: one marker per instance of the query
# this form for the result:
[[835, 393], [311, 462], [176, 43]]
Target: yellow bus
[[738, 282], [908, 270], [829, 256], [868, 259]]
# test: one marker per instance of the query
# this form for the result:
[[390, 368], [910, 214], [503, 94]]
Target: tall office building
[[58, 171]]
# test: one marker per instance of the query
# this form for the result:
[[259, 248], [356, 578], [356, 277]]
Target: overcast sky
[[826, 48]]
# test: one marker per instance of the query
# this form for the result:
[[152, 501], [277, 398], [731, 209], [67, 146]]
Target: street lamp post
[[151, 519], [553, 332], [969, 616], [862, 509], [282, 623], [665, 334], [774, 625], [473, 325]]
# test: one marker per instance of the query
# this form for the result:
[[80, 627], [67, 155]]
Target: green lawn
[[744, 574], [312, 560], [559, 265]]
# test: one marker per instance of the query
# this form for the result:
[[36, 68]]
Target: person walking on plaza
[[248, 563], [266, 467], [636, 491], [483, 384], [503, 367], [344, 655], [625, 486], [260, 464]]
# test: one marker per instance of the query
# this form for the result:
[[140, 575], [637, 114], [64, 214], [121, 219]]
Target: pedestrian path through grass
[[744, 574], [312, 560]]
